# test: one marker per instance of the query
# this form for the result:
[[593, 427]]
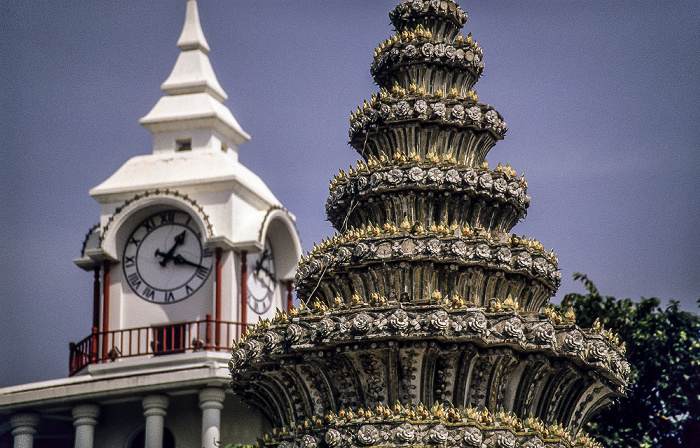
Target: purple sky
[[601, 99]]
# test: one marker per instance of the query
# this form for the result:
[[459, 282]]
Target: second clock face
[[164, 260]]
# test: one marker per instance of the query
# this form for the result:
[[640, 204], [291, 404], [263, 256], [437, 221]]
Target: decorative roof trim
[[158, 194]]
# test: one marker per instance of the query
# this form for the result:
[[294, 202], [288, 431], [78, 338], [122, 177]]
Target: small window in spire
[[183, 145], [224, 147]]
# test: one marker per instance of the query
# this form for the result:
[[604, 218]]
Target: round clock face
[[262, 281], [164, 260]]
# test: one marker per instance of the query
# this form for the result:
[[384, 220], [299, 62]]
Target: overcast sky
[[601, 99]]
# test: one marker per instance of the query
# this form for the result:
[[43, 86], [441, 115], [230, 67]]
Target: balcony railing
[[167, 339]]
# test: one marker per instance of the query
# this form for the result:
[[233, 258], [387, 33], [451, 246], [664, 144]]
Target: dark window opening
[[183, 145], [169, 339], [139, 440]]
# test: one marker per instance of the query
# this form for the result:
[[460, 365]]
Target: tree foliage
[[662, 406]]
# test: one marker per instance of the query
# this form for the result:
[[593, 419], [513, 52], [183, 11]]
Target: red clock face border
[[164, 260]]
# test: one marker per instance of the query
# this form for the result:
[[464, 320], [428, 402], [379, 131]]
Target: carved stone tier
[[453, 128], [443, 18], [418, 426], [317, 362], [430, 195], [412, 268], [427, 64]]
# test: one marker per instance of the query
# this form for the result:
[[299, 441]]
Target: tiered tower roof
[[424, 319]]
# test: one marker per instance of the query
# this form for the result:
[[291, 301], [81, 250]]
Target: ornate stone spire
[[192, 111], [424, 320]]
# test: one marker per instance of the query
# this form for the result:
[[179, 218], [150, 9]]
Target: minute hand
[[178, 259]]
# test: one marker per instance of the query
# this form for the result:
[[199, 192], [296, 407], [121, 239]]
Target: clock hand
[[179, 259], [167, 256]]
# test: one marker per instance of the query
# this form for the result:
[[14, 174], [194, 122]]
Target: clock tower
[[191, 244]]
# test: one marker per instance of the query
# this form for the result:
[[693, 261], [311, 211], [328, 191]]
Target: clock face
[[262, 281], [164, 260]]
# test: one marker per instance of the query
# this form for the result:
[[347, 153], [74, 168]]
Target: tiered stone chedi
[[425, 321]]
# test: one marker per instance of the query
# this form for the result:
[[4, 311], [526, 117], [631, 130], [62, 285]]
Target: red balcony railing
[[167, 339]]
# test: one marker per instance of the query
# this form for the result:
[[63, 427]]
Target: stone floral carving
[[486, 181], [540, 266], [439, 50], [272, 339], [438, 109], [416, 174], [458, 112], [504, 255], [325, 326], [513, 328], [459, 248], [367, 435], [544, 333], [399, 320], [483, 251], [309, 441], [334, 438], [394, 176], [438, 434], [500, 185], [294, 333], [238, 358], [491, 116], [361, 323], [410, 50], [452, 176], [406, 433], [477, 322], [505, 440], [434, 246], [427, 50], [574, 341], [403, 109], [599, 351], [473, 436], [435, 174], [470, 177], [534, 443], [420, 107], [524, 260], [474, 113], [439, 320]]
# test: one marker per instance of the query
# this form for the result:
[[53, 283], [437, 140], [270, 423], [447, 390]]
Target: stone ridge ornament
[[423, 320]]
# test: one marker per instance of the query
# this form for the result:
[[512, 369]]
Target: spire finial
[[192, 36]]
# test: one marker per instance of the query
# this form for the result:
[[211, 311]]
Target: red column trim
[[217, 303], [290, 302], [96, 298], [105, 308], [244, 291]]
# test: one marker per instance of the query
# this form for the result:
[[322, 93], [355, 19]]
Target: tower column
[[105, 308], [85, 420], [154, 409], [211, 402], [24, 429], [244, 292]]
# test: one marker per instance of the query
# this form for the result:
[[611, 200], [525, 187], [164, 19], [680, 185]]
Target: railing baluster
[[175, 338]]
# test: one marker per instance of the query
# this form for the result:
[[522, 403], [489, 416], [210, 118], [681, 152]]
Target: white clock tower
[[187, 231], [191, 246]]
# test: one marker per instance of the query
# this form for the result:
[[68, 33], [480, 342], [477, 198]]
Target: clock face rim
[[267, 265], [193, 271]]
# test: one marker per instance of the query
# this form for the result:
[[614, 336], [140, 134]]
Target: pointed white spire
[[193, 72], [194, 97], [192, 36]]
